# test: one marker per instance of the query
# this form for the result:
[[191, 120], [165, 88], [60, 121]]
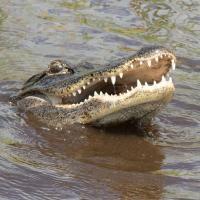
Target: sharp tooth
[[121, 75], [132, 66], [173, 64], [74, 93], [79, 91], [170, 79], [163, 79], [106, 94], [106, 80], [146, 84], [101, 93], [141, 62], [154, 83], [149, 63], [156, 58], [84, 87], [89, 97], [113, 79], [132, 88], [139, 84], [95, 93]]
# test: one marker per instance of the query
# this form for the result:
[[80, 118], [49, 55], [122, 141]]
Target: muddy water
[[82, 162]]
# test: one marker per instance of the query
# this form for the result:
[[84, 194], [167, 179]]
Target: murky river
[[83, 162]]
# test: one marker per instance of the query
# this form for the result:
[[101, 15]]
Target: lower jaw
[[142, 114], [135, 107]]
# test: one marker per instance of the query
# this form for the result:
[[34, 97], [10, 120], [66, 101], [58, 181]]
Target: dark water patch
[[190, 65], [186, 105]]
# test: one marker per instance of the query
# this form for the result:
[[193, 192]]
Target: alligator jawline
[[140, 73]]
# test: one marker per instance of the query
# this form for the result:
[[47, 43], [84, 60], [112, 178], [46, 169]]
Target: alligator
[[132, 89]]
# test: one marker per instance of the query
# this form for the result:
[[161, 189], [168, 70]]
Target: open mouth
[[141, 71]]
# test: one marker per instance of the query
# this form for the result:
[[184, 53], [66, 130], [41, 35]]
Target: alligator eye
[[55, 66], [60, 66]]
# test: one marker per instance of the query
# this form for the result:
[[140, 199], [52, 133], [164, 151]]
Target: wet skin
[[130, 89]]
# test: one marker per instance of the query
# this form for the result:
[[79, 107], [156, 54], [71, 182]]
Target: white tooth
[[84, 87], [106, 94], [132, 88], [88, 83], [149, 63], [105, 79], [173, 64], [113, 79], [141, 62], [139, 84], [170, 79], [121, 75], [132, 66], [79, 91], [154, 83], [156, 58], [89, 97], [95, 93], [146, 84], [101, 93], [74, 93], [163, 79]]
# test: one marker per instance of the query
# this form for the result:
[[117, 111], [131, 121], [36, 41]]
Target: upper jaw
[[148, 60]]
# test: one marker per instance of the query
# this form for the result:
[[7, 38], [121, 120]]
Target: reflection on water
[[82, 162]]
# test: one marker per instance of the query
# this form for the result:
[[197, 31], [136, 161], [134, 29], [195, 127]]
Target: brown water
[[82, 162]]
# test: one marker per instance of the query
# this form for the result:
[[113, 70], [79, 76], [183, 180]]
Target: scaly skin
[[133, 88]]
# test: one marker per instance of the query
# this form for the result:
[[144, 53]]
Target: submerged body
[[131, 89]]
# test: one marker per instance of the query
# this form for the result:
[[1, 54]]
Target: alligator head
[[133, 88]]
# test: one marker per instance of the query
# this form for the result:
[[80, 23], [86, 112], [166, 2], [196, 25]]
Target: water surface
[[83, 162]]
